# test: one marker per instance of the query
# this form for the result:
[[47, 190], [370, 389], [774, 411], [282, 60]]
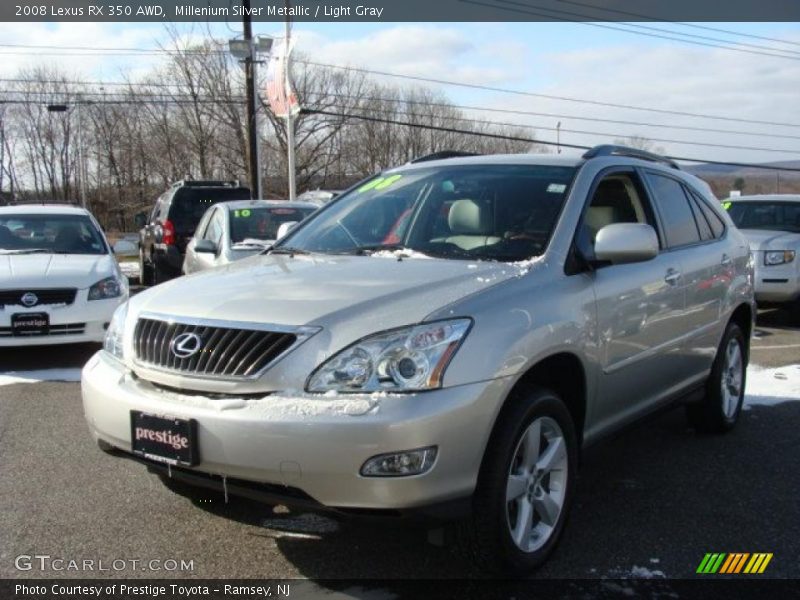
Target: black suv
[[163, 239]]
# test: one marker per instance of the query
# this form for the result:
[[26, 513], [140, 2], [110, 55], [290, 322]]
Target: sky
[[569, 60]]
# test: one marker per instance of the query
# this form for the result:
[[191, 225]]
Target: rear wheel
[[524, 488], [145, 270], [719, 410]]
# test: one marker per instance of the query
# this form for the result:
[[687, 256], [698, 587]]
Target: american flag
[[280, 96]]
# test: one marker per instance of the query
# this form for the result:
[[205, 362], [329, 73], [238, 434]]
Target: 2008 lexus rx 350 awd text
[[443, 339]]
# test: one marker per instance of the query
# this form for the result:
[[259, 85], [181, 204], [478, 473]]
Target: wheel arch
[[562, 373], [743, 316]]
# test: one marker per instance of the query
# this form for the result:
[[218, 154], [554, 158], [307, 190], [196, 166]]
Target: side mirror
[[621, 243], [140, 219], [205, 247], [125, 248], [286, 228]]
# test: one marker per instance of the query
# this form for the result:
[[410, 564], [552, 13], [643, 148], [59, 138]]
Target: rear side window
[[714, 221], [680, 228]]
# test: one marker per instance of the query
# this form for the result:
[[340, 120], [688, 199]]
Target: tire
[[145, 271], [719, 410], [160, 274], [495, 538]]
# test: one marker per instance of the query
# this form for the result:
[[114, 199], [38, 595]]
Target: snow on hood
[[762, 239], [54, 270], [322, 289]]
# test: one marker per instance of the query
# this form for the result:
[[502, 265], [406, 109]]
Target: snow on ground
[[307, 525], [130, 269], [11, 377], [772, 386]]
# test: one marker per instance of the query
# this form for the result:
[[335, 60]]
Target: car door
[[640, 307], [707, 262], [699, 266]]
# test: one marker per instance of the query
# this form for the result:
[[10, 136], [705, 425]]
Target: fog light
[[400, 464]]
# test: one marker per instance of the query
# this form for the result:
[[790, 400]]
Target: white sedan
[[59, 280], [230, 231], [771, 224]]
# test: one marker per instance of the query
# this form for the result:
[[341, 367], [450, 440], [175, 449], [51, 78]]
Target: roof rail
[[441, 155], [205, 183], [614, 150]]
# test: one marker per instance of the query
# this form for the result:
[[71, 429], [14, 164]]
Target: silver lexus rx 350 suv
[[442, 340]]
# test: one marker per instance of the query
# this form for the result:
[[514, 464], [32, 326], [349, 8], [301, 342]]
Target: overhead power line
[[583, 19], [515, 138], [470, 86], [638, 16], [488, 88]]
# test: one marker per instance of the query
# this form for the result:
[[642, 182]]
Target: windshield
[[262, 223], [777, 216], [493, 212], [49, 233]]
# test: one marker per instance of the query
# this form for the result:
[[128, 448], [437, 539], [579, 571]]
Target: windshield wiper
[[287, 250], [370, 248]]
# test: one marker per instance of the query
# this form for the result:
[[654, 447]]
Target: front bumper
[[80, 322], [315, 445], [778, 284]]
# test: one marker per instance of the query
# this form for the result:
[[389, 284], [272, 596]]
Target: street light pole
[[250, 83], [290, 142]]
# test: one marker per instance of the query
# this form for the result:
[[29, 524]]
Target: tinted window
[[262, 223], [702, 223], [190, 204], [776, 216], [59, 234], [714, 221], [495, 212], [679, 224]]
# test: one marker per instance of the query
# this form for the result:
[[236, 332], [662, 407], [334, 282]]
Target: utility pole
[[250, 82], [81, 164]]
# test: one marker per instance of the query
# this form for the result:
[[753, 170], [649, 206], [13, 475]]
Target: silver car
[[442, 340], [771, 224], [230, 231]]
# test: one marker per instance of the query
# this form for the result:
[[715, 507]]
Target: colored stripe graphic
[[734, 563]]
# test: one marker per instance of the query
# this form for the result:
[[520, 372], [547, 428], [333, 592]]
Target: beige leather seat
[[470, 225]]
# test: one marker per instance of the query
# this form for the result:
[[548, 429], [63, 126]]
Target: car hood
[[54, 270], [377, 292], [762, 239]]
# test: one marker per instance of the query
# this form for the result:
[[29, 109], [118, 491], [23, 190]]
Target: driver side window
[[617, 199]]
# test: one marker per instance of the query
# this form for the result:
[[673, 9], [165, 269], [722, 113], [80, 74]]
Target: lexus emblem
[[29, 299], [186, 345]]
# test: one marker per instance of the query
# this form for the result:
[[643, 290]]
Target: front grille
[[53, 296], [223, 351], [63, 329]]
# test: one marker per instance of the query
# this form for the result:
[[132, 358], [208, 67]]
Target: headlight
[[778, 257], [400, 360], [110, 287], [112, 343]]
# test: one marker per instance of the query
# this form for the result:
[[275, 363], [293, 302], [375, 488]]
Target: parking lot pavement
[[650, 502]]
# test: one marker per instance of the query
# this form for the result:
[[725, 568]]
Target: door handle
[[672, 277], [726, 260]]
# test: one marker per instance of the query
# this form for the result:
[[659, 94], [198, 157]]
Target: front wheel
[[719, 411], [524, 487]]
